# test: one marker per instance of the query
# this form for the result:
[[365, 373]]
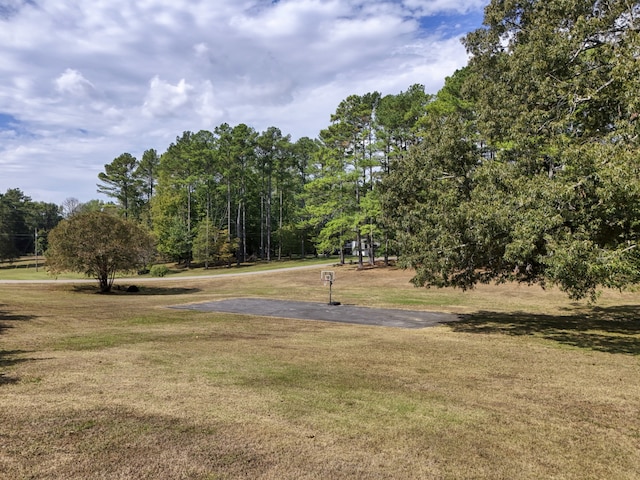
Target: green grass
[[527, 385], [259, 266], [25, 269]]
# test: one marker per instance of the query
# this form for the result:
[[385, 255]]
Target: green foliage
[[524, 166], [174, 240], [120, 181], [212, 245], [159, 270], [99, 245], [234, 179], [22, 221], [274, 162], [347, 170], [146, 173], [528, 167]]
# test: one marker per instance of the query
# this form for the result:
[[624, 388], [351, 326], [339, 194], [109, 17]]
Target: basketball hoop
[[328, 277]]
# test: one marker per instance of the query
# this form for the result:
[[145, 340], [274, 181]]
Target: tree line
[[234, 194], [237, 193], [523, 167], [24, 224]]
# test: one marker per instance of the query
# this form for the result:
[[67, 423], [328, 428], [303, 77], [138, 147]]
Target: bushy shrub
[[159, 270]]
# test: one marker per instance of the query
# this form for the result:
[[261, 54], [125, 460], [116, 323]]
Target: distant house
[[351, 248]]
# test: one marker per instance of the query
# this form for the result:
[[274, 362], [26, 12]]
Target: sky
[[83, 82]]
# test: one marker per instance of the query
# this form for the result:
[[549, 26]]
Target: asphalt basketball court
[[351, 314]]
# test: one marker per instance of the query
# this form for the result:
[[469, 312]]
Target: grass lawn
[[28, 269], [528, 385]]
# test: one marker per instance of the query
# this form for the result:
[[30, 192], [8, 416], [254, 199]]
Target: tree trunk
[[229, 209], [372, 251], [280, 227], [268, 218], [105, 287], [261, 227], [359, 246], [207, 241], [239, 231], [386, 250], [244, 232]]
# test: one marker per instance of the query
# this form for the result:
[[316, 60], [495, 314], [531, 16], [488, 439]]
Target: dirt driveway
[[329, 313]]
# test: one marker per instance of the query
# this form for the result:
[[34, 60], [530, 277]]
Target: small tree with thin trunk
[[99, 245]]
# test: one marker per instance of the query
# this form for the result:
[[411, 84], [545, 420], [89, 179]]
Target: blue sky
[[83, 82]]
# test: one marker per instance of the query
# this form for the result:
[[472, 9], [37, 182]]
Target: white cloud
[[290, 18], [432, 7], [164, 99], [88, 81], [201, 49], [207, 107], [72, 82]]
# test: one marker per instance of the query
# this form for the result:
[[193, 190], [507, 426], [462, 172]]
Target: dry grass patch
[[118, 386]]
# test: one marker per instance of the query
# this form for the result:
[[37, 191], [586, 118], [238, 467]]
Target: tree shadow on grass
[[5, 380], [10, 357], [120, 290], [146, 290], [7, 318], [610, 329]]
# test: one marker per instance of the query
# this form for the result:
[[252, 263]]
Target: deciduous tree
[[99, 245], [530, 171]]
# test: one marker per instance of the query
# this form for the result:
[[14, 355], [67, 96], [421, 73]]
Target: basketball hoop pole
[[330, 286], [328, 276]]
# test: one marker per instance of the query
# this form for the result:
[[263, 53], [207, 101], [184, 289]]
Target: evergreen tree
[[147, 174], [119, 181], [348, 174], [173, 209]]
